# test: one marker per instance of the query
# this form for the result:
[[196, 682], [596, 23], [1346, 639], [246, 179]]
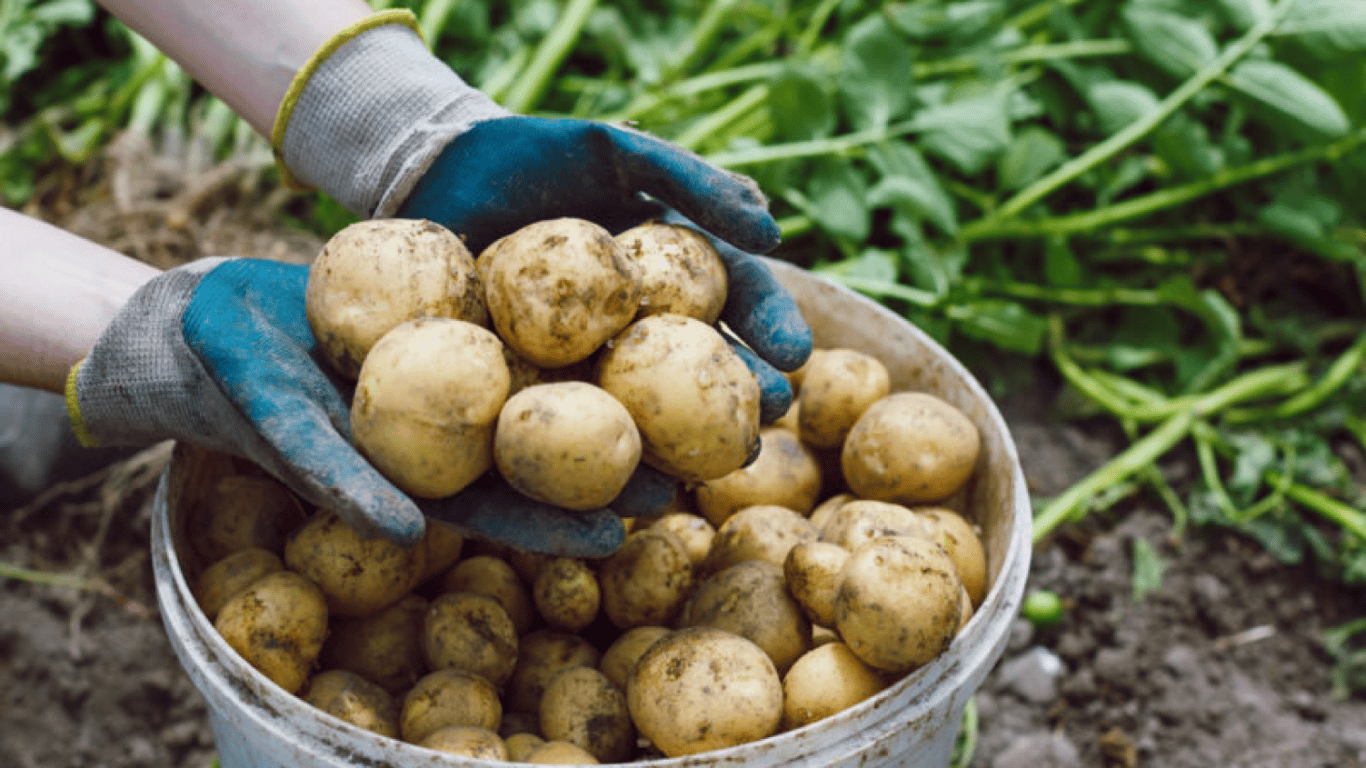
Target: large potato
[[358, 575], [703, 688], [911, 448], [898, 602], [558, 289], [373, 275], [785, 473], [569, 444], [838, 385], [426, 402], [693, 398], [681, 272], [277, 625]]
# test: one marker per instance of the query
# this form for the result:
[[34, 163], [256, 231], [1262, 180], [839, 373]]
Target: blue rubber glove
[[219, 354], [505, 173]]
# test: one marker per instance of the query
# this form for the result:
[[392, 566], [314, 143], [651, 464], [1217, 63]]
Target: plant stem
[[530, 86], [1344, 515], [710, 126], [1076, 49], [704, 31]]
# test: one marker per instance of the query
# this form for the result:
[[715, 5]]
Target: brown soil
[[1222, 665]]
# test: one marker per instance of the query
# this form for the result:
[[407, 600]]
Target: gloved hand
[[219, 353], [387, 129]]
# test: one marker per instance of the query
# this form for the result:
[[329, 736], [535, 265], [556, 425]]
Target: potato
[[960, 541], [448, 697], [911, 448], [785, 474], [470, 631], [566, 594], [277, 625], [495, 577], [466, 741], [646, 580], [696, 533], [622, 654], [898, 602], [680, 271], [384, 647], [703, 688], [827, 508], [244, 512], [559, 753], [693, 398], [581, 706], [541, 654], [826, 680], [557, 289], [519, 745], [811, 572], [443, 543], [860, 521], [750, 599], [358, 575], [764, 532], [373, 275], [426, 403], [966, 610], [838, 385], [569, 444], [350, 697], [231, 575]]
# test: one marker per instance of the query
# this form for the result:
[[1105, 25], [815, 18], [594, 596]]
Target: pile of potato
[[806, 566]]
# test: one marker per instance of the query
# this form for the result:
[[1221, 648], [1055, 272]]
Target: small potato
[[350, 697], [495, 577], [373, 275], [622, 654], [693, 398], [231, 575], [680, 270], [704, 688], [646, 580], [826, 680], [957, 537], [559, 753], [785, 474], [557, 289], [860, 521], [384, 647], [277, 625], [898, 603], [426, 403], [751, 600], [466, 741], [567, 594], [811, 572], [581, 706], [358, 575], [838, 385], [765, 532], [569, 444], [448, 697], [470, 631], [696, 533], [542, 654], [519, 745], [244, 512], [910, 448]]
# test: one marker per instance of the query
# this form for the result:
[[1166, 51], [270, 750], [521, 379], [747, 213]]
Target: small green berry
[[1042, 608]]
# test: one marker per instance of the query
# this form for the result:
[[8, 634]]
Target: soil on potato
[[1222, 665]]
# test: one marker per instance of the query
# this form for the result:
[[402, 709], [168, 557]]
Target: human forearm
[[245, 52], [58, 292]]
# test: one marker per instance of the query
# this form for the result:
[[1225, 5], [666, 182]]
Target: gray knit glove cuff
[[367, 116]]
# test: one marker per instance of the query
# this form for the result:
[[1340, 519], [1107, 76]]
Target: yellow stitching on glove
[[296, 87], [73, 409]]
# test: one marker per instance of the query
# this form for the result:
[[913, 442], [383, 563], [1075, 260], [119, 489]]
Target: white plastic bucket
[[913, 723]]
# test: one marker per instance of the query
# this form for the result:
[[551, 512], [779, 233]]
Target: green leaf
[[1246, 14], [871, 263], [957, 21], [909, 183], [968, 133], [1118, 103], [1149, 568], [1033, 152], [839, 200], [1290, 94], [875, 73], [1329, 28], [801, 105], [1177, 45], [1184, 144], [1007, 324]]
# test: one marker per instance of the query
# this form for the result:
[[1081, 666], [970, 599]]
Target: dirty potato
[[910, 448], [680, 271], [764, 532], [811, 572], [566, 594], [277, 625], [785, 473], [542, 654], [358, 575], [448, 697], [348, 696], [231, 575], [243, 512], [750, 599], [470, 631], [646, 580], [826, 680], [838, 385], [466, 741], [581, 706], [384, 647]]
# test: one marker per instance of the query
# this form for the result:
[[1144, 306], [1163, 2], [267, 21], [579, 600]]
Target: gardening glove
[[219, 353], [387, 129]]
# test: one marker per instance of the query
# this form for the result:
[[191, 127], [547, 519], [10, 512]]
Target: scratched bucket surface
[[913, 723]]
